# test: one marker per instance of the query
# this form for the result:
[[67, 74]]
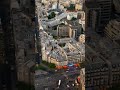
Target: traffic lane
[[51, 80], [58, 76], [68, 83], [41, 84], [54, 78], [53, 74]]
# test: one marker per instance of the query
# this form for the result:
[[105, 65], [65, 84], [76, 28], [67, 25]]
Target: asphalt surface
[[50, 81]]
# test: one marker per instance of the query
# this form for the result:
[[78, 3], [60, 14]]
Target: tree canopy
[[52, 15]]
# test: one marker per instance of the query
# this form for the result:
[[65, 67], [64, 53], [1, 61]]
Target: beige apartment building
[[57, 61], [64, 31], [78, 7], [57, 56], [82, 78]]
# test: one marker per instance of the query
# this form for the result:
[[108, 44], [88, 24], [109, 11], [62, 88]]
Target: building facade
[[2, 48], [23, 28], [8, 78], [98, 13], [64, 31], [112, 30]]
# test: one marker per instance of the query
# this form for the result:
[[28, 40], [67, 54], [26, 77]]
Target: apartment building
[[75, 52], [92, 15], [115, 66], [102, 65], [101, 74], [57, 56], [97, 73], [81, 17], [2, 47], [117, 5], [28, 6], [24, 44], [106, 10], [78, 7], [76, 28], [7, 50], [101, 11], [64, 31], [112, 30], [82, 78]]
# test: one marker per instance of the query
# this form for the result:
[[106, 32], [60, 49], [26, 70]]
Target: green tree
[[73, 18], [52, 15], [39, 68], [72, 7], [50, 65]]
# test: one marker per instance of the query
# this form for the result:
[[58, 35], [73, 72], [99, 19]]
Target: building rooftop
[[58, 53]]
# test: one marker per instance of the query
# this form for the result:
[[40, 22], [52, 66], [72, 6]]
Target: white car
[[73, 84], [68, 86]]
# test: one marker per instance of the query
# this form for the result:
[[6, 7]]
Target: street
[[51, 81]]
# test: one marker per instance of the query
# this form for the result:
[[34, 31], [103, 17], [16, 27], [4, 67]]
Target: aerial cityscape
[[62, 42], [60, 45]]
